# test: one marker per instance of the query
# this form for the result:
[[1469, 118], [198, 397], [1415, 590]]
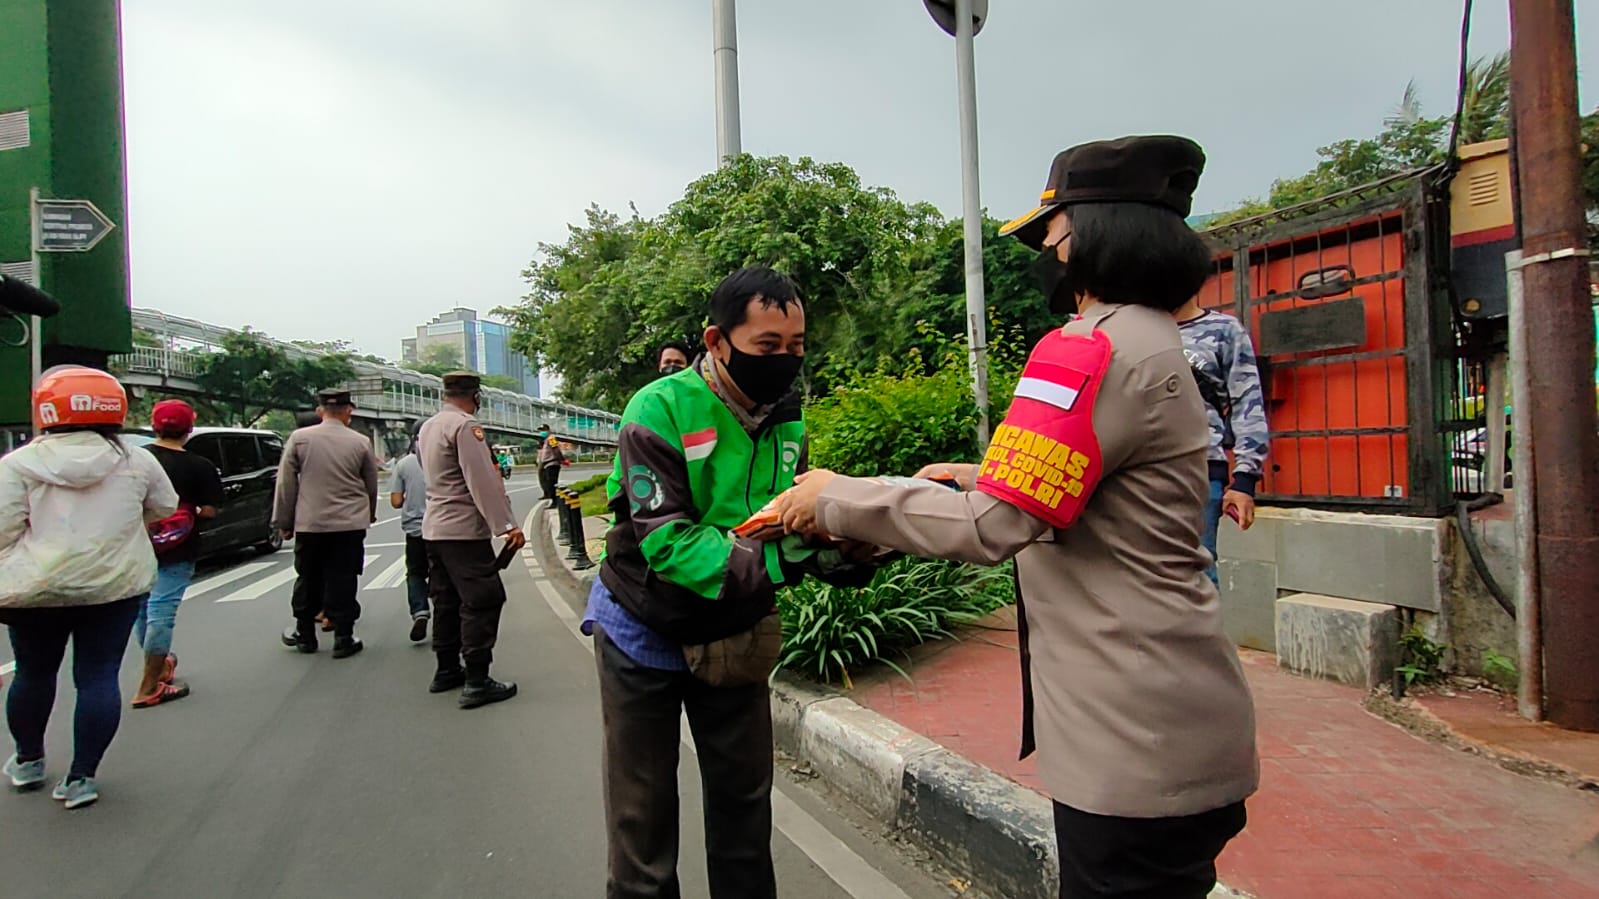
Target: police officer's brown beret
[[462, 381], [1160, 170]]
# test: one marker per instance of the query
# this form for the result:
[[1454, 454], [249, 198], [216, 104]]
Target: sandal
[[170, 669], [164, 693]]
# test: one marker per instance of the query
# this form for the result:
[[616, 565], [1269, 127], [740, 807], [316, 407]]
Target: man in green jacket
[[679, 595]]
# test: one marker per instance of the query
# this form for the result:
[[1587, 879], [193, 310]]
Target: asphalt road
[[286, 775]]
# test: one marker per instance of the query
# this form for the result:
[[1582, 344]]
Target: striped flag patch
[[699, 444], [1060, 388]]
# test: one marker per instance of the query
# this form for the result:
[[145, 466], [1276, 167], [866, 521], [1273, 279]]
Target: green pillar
[[62, 71]]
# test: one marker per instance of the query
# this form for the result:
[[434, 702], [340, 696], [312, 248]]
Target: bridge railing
[[400, 392]]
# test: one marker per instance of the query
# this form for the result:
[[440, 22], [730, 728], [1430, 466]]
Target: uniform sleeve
[[160, 498], [288, 485], [1251, 434], [13, 507], [705, 560], [483, 479], [931, 522]]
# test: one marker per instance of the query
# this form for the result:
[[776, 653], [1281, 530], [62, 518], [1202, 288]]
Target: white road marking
[[261, 587], [853, 874], [7, 668], [223, 578], [392, 576]]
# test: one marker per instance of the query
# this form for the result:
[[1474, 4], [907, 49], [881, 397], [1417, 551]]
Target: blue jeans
[[159, 613], [1212, 522], [99, 636]]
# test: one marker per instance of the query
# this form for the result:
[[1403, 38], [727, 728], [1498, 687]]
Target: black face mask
[[672, 368], [764, 379], [1050, 273]]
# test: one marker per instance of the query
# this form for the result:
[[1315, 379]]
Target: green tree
[[339, 348], [250, 377], [1590, 174]]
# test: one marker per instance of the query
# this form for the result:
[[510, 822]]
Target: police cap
[[462, 382], [335, 398], [1158, 170]]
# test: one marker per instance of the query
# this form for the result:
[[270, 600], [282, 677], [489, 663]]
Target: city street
[[288, 775]]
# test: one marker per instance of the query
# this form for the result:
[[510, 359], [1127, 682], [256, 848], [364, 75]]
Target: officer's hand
[[965, 473], [1241, 505], [797, 505], [515, 539], [286, 533]]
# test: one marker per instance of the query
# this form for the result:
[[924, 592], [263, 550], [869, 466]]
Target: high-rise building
[[459, 338]]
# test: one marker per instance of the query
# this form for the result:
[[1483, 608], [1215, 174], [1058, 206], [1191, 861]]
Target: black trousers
[[1142, 858], [549, 478], [329, 569], [641, 709], [467, 598]]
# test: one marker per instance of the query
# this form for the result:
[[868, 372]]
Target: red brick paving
[[1350, 805]]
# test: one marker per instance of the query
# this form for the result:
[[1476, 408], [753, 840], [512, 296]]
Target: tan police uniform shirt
[[466, 495], [1140, 707], [327, 481]]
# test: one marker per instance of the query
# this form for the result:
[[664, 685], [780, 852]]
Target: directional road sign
[[69, 226]]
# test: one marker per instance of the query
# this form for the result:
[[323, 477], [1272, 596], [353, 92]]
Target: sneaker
[[76, 793], [419, 629], [447, 679], [344, 647], [25, 775], [486, 692]]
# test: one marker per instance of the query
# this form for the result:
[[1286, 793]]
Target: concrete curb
[[985, 827]]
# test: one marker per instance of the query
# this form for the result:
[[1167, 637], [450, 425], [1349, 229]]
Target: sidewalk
[[1350, 805]]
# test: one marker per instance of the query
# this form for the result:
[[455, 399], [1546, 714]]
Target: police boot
[[346, 646], [301, 637], [450, 676], [483, 690]]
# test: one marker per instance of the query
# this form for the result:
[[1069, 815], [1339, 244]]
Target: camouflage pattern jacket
[[1223, 358]]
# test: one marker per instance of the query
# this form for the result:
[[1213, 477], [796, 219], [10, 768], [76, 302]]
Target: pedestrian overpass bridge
[[388, 399]]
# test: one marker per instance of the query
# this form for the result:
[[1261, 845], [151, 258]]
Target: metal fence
[[1358, 361]]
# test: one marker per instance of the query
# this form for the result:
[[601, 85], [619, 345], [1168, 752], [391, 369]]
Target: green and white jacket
[[688, 471]]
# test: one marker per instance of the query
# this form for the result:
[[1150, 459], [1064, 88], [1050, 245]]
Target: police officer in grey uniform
[[327, 496], [467, 507], [1132, 694]]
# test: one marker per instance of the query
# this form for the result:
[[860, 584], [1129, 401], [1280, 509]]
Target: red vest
[[1045, 458]]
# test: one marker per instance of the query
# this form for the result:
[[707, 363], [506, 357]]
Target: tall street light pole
[[1558, 322], [963, 19], [724, 28]]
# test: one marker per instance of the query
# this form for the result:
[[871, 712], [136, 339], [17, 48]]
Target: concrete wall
[[1417, 565]]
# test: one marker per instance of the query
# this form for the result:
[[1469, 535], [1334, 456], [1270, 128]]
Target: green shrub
[[827, 631]]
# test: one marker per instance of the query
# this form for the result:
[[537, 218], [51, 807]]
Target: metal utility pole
[[1559, 324], [724, 28], [963, 19], [35, 323]]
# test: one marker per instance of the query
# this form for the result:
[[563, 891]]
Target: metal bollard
[[564, 538], [580, 544], [574, 517]]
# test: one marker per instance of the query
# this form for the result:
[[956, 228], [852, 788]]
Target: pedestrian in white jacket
[[75, 564]]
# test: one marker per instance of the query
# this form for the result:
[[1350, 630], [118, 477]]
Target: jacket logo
[[791, 454], [643, 489], [48, 414]]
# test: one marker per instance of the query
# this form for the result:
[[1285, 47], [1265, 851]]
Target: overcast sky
[[349, 168]]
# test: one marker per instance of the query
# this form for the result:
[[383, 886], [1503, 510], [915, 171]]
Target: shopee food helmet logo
[[48, 415], [83, 402]]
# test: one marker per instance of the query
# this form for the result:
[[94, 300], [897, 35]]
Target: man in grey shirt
[[408, 493]]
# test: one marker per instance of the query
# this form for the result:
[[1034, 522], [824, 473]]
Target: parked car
[[248, 462]]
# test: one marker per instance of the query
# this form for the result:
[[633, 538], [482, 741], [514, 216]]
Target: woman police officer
[[1095, 483]]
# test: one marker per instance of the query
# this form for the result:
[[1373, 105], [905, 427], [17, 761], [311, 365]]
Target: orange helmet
[[76, 395]]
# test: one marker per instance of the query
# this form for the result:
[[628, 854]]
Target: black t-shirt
[[198, 484]]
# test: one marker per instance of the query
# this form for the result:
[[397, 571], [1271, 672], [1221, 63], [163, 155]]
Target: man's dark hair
[[680, 346], [544, 426], [172, 432], [730, 301], [1135, 254]]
